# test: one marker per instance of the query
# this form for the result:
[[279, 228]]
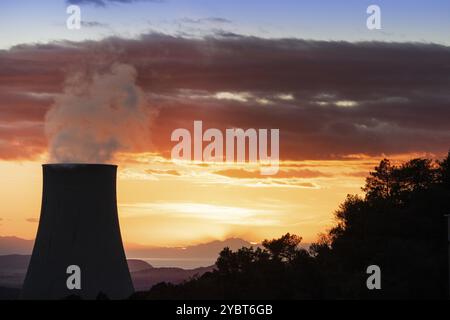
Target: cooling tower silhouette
[[78, 226]]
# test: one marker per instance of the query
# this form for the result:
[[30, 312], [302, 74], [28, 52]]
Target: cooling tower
[[78, 226]]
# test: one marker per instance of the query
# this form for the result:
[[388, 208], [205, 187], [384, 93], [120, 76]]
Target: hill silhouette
[[205, 252], [135, 265], [146, 279], [15, 245], [399, 225], [144, 275]]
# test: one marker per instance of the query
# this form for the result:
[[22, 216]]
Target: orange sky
[[166, 204]]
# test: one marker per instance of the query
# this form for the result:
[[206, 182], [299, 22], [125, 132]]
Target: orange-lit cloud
[[393, 99], [246, 174]]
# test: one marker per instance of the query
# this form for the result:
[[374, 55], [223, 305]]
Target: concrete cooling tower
[[78, 227]]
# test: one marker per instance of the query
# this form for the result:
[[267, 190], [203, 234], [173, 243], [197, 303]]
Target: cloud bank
[[103, 3], [331, 100]]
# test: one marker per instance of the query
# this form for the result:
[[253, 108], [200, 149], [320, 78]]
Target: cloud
[[329, 99], [21, 140], [93, 24], [32, 220], [221, 214], [160, 172], [216, 20], [15, 106], [282, 174], [103, 3]]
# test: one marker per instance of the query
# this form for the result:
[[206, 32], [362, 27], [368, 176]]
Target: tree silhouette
[[283, 249], [398, 225]]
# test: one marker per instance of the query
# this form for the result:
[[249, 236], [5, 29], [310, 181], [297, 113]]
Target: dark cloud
[[21, 143], [93, 24], [330, 99], [20, 106], [217, 20]]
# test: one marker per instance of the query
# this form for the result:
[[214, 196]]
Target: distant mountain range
[[15, 256], [205, 250], [13, 269], [14, 245]]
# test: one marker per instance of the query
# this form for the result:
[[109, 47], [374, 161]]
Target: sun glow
[[163, 203]]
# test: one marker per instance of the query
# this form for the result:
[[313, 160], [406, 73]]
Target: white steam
[[96, 116]]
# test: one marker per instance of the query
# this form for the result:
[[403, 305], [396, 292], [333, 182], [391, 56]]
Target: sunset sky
[[343, 97]]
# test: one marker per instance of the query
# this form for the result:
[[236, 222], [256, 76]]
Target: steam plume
[[96, 116]]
